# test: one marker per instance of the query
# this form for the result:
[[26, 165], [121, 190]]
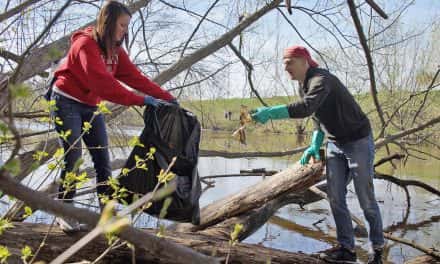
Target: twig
[[377, 8], [430, 251], [249, 68], [197, 27], [370, 63], [405, 183], [388, 158]]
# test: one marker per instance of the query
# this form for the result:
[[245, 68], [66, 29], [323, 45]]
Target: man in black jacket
[[350, 147]]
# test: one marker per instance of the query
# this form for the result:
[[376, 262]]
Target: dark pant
[[73, 115]]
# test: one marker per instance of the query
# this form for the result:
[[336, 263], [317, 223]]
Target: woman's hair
[[106, 24]]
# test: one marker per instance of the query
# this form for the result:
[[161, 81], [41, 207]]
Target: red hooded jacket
[[86, 75]]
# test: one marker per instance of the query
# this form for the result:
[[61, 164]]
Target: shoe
[[68, 225], [338, 255], [376, 258]]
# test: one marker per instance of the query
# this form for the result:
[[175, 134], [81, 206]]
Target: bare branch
[[301, 36], [426, 95], [249, 68], [197, 27], [13, 11], [364, 44], [377, 8]]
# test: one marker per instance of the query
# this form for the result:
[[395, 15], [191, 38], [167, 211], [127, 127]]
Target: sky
[[275, 34]]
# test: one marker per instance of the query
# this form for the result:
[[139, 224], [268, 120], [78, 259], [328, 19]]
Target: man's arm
[[316, 94]]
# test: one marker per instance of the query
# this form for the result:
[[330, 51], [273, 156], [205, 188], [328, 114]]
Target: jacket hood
[[88, 31]]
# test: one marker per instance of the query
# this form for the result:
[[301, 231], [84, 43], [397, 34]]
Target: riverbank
[[214, 114]]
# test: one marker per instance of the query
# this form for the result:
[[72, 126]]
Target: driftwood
[[293, 179], [32, 235], [289, 180], [156, 246], [254, 219]]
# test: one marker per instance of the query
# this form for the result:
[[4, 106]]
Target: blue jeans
[[74, 114], [353, 160]]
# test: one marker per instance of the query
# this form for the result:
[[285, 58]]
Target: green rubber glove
[[262, 114], [313, 150]]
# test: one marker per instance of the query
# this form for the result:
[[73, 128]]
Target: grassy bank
[[211, 113]]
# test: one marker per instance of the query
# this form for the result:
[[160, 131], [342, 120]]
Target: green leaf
[[165, 177], [27, 212], [134, 141], [5, 224], [102, 108], [26, 253], [125, 171], [51, 166], [235, 233], [58, 121], [59, 153], [65, 134], [104, 199], [140, 163], [4, 254], [50, 106], [39, 155], [86, 127]]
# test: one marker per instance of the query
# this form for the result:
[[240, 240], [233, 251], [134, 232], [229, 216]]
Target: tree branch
[[370, 64]]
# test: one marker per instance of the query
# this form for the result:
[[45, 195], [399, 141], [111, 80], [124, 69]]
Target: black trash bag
[[173, 132]]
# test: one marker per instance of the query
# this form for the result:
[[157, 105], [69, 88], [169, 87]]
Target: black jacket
[[332, 107]]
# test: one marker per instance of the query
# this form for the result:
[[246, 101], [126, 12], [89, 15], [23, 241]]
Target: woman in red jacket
[[92, 71]]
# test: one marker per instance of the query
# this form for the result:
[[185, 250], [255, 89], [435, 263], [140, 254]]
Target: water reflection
[[293, 229], [312, 229]]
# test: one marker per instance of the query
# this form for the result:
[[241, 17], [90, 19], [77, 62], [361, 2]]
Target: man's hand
[[310, 152], [263, 114], [313, 150]]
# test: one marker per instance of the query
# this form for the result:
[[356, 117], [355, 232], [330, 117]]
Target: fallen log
[[163, 249], [294, 179], [57, 242], [234, 155], [16, 210], [253, 219]]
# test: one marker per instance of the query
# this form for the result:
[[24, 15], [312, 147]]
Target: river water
[[311, 229]]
